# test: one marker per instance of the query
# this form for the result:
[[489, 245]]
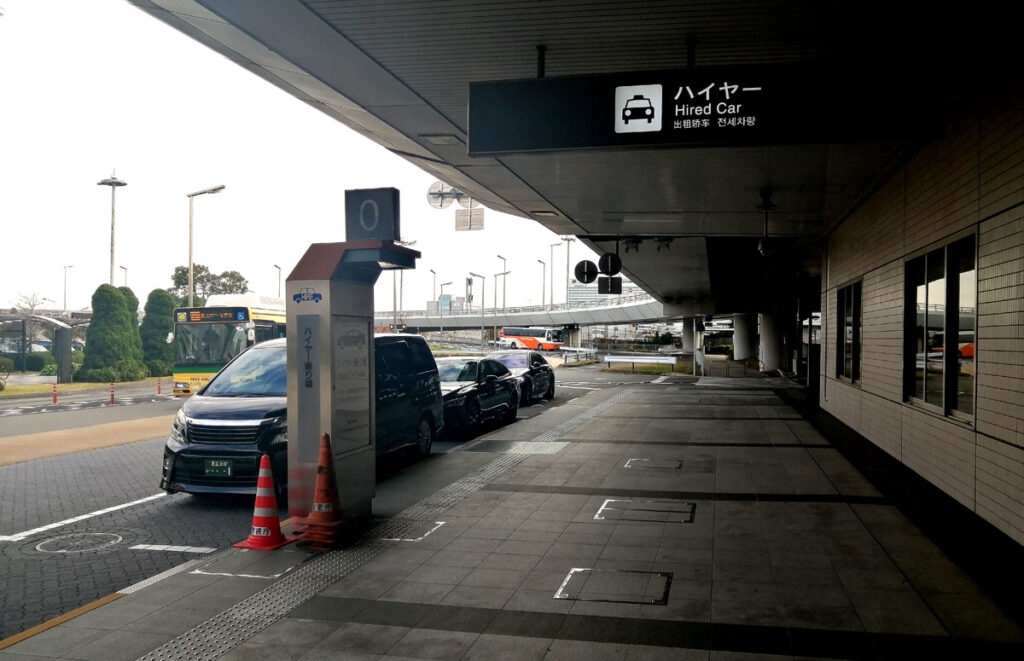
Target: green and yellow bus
[[206, 338]]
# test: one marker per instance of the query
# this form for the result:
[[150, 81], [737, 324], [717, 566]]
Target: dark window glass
[[422, 358], [848, 332], [397, 355]]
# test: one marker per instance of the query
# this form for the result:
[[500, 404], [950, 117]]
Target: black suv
[[221, 432]]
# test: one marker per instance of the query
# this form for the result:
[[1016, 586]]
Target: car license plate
[[217, 467]]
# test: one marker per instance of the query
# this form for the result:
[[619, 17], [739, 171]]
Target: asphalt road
[[50, 564]]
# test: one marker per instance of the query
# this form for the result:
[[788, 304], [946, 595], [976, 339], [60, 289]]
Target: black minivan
[[221, 432]]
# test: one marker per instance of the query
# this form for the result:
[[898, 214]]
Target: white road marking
[[437, 524], [660, 379], [167, 547], [28, 533]]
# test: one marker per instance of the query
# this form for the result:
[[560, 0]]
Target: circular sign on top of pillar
[[609, 263], [586, 271]]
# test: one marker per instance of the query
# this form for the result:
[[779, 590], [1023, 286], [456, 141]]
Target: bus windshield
[[204, 344]]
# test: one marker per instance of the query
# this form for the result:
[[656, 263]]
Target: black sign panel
[[609, 285], [372, 214], [703, 106]]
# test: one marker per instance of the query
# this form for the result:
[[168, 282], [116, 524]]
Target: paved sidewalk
[[653, 522]]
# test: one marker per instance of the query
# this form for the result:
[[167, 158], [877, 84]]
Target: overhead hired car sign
[[696, 107]]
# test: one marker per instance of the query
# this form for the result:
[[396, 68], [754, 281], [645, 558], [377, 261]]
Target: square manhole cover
[[657, 511], [614, 585]]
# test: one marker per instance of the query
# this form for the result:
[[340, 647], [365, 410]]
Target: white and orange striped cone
[[320, 531], [266, 526]]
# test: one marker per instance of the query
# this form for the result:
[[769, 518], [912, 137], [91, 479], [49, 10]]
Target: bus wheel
[[512, 345]]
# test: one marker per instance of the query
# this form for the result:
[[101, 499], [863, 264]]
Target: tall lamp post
[[434, 291], [568, 245], [553, 246], [483, 296], [125, 269], [278, 280], [114, 184], [504, 268], [543, 278], [496, 275], [66, 267], [205, 191], [440, 308]]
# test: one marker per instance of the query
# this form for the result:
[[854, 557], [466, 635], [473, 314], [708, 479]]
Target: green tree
[[157, 326], [113, 350], [131, 303], [205, 283]]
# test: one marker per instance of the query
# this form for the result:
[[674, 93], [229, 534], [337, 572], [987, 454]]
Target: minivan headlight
[[177, 437]]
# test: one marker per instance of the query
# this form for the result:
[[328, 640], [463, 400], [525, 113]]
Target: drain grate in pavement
[[616, 585]]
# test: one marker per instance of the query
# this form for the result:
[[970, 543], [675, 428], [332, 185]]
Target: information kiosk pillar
[[330, 368]]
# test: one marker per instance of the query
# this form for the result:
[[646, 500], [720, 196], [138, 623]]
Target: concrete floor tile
[[578, 650], [417, 593], [479, 597], [498, 578], [510, 561], [538, 601], [491, 647], [651, 653], [823, 617], [258, 652], [358, 638], [433, 644], [119, 645], [57, 642], [294, 632]]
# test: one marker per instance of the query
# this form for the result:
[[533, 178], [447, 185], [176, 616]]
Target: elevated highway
[[632, 309]]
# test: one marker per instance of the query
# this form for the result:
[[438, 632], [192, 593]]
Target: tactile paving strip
[[232, 627]]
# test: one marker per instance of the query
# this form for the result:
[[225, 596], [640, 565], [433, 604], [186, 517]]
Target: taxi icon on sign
[[639, 107]]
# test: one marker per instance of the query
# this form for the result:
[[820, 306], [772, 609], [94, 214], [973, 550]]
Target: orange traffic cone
[[321, 527], [266, 527]]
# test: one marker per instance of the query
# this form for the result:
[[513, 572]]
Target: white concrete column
[[744, 336], [771, 343], [687, 335]]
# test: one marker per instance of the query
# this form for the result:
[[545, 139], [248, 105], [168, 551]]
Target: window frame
[[951, 328]]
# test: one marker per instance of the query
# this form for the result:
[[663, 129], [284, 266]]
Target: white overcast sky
[[90, 88]]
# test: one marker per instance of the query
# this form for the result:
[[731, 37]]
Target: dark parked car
[[536, 378], [221, 432], [476, 390]]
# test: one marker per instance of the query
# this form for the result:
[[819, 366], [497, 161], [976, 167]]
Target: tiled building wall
[[968, 178]]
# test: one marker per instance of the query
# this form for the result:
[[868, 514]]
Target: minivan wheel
[[550, 394], [424, 437]]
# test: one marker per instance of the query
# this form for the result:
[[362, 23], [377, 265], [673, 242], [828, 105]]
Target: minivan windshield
[[513, 359], [259, 372]]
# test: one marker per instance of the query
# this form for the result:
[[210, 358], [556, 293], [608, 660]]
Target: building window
[[848, 332], [941, 302]]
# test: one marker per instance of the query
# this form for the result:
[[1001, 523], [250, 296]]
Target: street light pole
[[568, 245], [66, 286], [496, 302], [125, 269], [440, 308], [205, 191], [553, 246], [278, 280], [483, 298], [503, 289], [114, 184], [543, 277], [434, 291]]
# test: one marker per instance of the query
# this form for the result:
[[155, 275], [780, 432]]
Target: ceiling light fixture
[[544, 214]]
